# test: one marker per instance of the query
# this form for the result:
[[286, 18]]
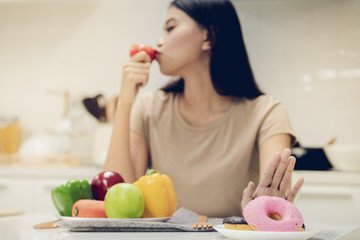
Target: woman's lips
[[157, 56]]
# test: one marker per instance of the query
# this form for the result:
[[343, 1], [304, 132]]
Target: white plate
[[262, 235], [160, 219]]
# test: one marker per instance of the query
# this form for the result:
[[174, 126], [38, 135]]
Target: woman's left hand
[[276, 180]]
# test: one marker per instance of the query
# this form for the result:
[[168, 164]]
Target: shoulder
[[260, 107], [260, 103], [155, 102], [263, 101]]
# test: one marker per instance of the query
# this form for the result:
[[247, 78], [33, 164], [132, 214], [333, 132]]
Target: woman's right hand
[[135, 75]]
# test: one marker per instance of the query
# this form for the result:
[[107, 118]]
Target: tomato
[[142, 47]]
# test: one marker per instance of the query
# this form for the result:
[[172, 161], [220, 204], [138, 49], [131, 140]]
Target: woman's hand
[[276, 180], [135, 75]]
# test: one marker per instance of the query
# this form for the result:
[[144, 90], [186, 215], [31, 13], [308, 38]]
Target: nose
[[160, 42]]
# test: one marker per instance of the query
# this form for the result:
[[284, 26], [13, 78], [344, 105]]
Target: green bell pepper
[[65, 195]]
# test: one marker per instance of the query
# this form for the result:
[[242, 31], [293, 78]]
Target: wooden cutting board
[[10, 212], [46, 225]]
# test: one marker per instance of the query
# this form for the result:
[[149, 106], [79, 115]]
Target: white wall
[[69, 45], [305, 52]]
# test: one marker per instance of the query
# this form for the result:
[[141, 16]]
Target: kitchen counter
[[48, 171], [39, 171], [88, 172], [323, 191], [319, 199], [330, 196], [20, 228], [335, 178], [327, 197], [35, 182]]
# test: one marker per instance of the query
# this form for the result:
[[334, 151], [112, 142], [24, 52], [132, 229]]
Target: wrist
[[124, 104]]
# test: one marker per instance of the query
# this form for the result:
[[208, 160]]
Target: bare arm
[[271, 146], [123, 155], [139, 154]]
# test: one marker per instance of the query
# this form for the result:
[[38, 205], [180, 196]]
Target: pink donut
[[259, 211]]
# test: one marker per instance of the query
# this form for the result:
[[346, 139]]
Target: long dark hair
[[230, 69]]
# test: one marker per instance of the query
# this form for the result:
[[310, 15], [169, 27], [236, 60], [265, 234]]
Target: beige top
[[211, 165]]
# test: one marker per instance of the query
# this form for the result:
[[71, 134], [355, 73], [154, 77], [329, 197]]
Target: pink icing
[[257, 211]]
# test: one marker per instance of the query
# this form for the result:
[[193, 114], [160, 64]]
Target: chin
[[167, 71]]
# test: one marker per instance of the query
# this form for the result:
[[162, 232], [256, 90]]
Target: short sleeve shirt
[[209, 165]]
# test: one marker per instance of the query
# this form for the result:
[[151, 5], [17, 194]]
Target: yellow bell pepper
[[159, 195]]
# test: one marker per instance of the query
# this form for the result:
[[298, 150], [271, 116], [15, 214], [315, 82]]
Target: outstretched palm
[[276, 180]]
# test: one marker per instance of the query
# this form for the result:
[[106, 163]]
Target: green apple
[[124, 200]]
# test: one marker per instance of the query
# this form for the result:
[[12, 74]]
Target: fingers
[[281, 169], [140, 71], [137, 65], [136, 73], [141, 56], [137, 78], [286, 180], [295, 190], [270, 170], [247, 194], [276, 180]]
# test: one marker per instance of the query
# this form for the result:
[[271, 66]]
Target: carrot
[[89, 209]]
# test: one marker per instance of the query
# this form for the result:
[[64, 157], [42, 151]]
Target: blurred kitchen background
[[56, 53]]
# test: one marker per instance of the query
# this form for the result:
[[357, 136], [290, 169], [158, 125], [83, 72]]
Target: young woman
[[212, 131]]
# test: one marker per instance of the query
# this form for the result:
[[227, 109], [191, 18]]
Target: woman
[[212, 131]]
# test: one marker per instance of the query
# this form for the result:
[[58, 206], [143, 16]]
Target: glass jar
[[10, 136], [2, 133]]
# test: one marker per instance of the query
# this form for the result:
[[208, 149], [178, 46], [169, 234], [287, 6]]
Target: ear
[[209, 39]]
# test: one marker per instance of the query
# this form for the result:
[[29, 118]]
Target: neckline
[[182, 121]]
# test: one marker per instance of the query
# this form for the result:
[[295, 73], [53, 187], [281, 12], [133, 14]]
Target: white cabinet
[[29, 188], [27, 194], [330, 197]]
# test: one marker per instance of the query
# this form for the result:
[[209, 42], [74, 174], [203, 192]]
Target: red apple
[[142, 47], [103, 181]]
